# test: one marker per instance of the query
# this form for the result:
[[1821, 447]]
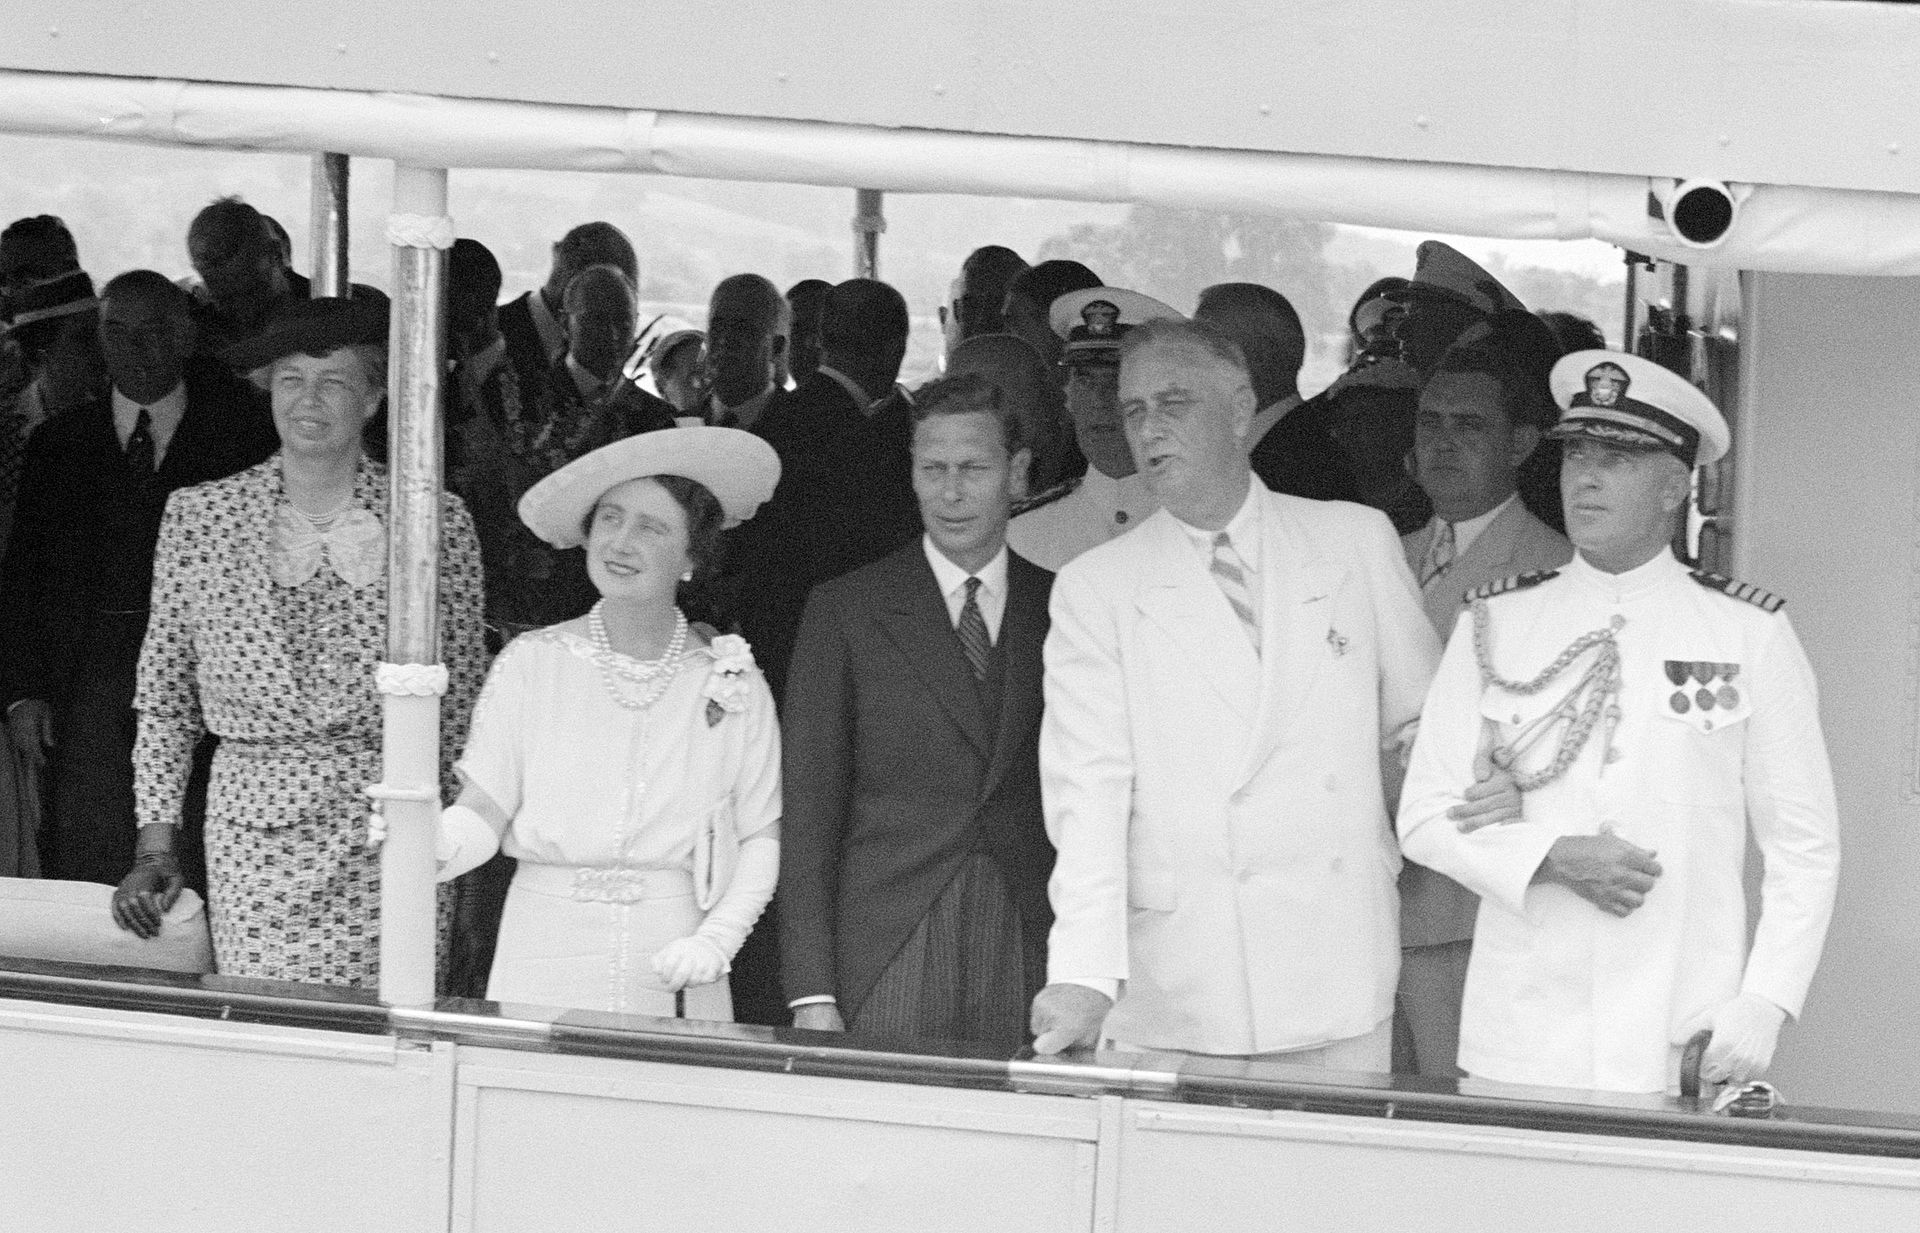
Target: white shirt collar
[[486, 359], [852, 387], [1243, 529], [992, 575], [746, 413], [163, 417], [1636, 583], [553, 335], [590, 386], [1468, 529]]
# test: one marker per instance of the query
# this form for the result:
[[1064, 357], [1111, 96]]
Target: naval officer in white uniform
[[1652, 716], [1058, 525]]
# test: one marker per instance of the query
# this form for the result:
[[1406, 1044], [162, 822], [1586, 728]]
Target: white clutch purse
[[716, 851]]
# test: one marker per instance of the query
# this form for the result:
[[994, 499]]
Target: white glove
[[691, 960], [462, 840], [1745, 1030]]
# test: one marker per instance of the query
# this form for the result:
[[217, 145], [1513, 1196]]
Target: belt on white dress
[[590, 883]]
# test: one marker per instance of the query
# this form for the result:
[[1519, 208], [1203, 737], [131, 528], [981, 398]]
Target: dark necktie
[[140, 446], [973, 631]]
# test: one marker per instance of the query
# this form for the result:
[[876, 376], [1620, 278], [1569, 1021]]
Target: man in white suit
[[1480, 416], [1227, 687]]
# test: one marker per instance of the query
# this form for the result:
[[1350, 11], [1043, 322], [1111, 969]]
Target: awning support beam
[[327, 244]]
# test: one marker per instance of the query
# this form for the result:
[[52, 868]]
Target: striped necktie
[[973, 632], [1231, 573], [1439, 552]]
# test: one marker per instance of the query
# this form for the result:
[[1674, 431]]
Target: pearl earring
[[687, 577]]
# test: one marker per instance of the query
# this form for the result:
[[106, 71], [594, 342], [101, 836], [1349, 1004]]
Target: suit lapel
[[1415, 547], [1298, 588], [1023, 630], [1187, 605], [914, 618], [1496, 546]]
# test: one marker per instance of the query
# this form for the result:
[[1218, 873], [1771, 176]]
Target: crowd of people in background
[[1061, 701]]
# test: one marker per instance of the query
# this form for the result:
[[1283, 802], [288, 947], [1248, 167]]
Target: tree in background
[[1173, 254]]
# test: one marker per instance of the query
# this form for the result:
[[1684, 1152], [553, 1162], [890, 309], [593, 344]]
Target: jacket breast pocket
[[1705, 695], [1523, 725]]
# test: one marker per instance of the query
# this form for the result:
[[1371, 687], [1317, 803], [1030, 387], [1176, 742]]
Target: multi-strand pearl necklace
[[652, 675]]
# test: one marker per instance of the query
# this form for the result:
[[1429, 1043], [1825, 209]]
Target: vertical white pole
[[420, 233], [327, 236], [869, 220]]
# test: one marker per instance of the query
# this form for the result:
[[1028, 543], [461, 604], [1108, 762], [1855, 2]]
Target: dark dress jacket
[[526, 350], [801, 536], [896, 769], [886, 513], [1299, 457], [83, 539], [503, 438]]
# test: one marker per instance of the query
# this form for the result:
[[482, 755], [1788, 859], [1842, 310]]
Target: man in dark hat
[[48, 357], [1449, 294], [80, 564]]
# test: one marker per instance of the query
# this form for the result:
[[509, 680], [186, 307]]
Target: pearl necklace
[[654, 675]]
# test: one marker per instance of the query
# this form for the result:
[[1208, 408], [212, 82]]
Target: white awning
[[1784, 228]]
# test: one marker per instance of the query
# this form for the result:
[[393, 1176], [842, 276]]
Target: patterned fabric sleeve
[[462, 649], [167, 695]]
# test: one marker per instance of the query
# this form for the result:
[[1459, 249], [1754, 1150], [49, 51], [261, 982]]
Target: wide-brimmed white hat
[[738, 468]]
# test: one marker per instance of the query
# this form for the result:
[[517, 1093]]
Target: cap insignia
[[1607, 384]]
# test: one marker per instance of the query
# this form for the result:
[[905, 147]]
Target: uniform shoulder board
[[1766, 601], [1028, 504], [1518, 582]]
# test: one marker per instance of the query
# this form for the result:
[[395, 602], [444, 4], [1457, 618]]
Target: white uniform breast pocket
[[1527, 728], [1707, 695]]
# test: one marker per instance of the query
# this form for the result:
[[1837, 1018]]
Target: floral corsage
[[727, 684]]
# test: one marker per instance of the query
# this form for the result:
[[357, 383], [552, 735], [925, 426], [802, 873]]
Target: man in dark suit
[[844, 497], [80, 563], [534, 323], [1293, 452], [843, 484], [1481, 415], [914, 858]]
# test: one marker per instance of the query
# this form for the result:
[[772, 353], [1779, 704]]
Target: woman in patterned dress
[[629, 761], [269, 617]]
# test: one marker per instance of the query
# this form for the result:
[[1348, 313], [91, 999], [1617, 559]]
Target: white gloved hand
[[462, 840], [691, 960], [1745, 1030]]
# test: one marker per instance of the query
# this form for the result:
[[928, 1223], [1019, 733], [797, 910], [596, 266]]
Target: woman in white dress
[[630, 763]]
